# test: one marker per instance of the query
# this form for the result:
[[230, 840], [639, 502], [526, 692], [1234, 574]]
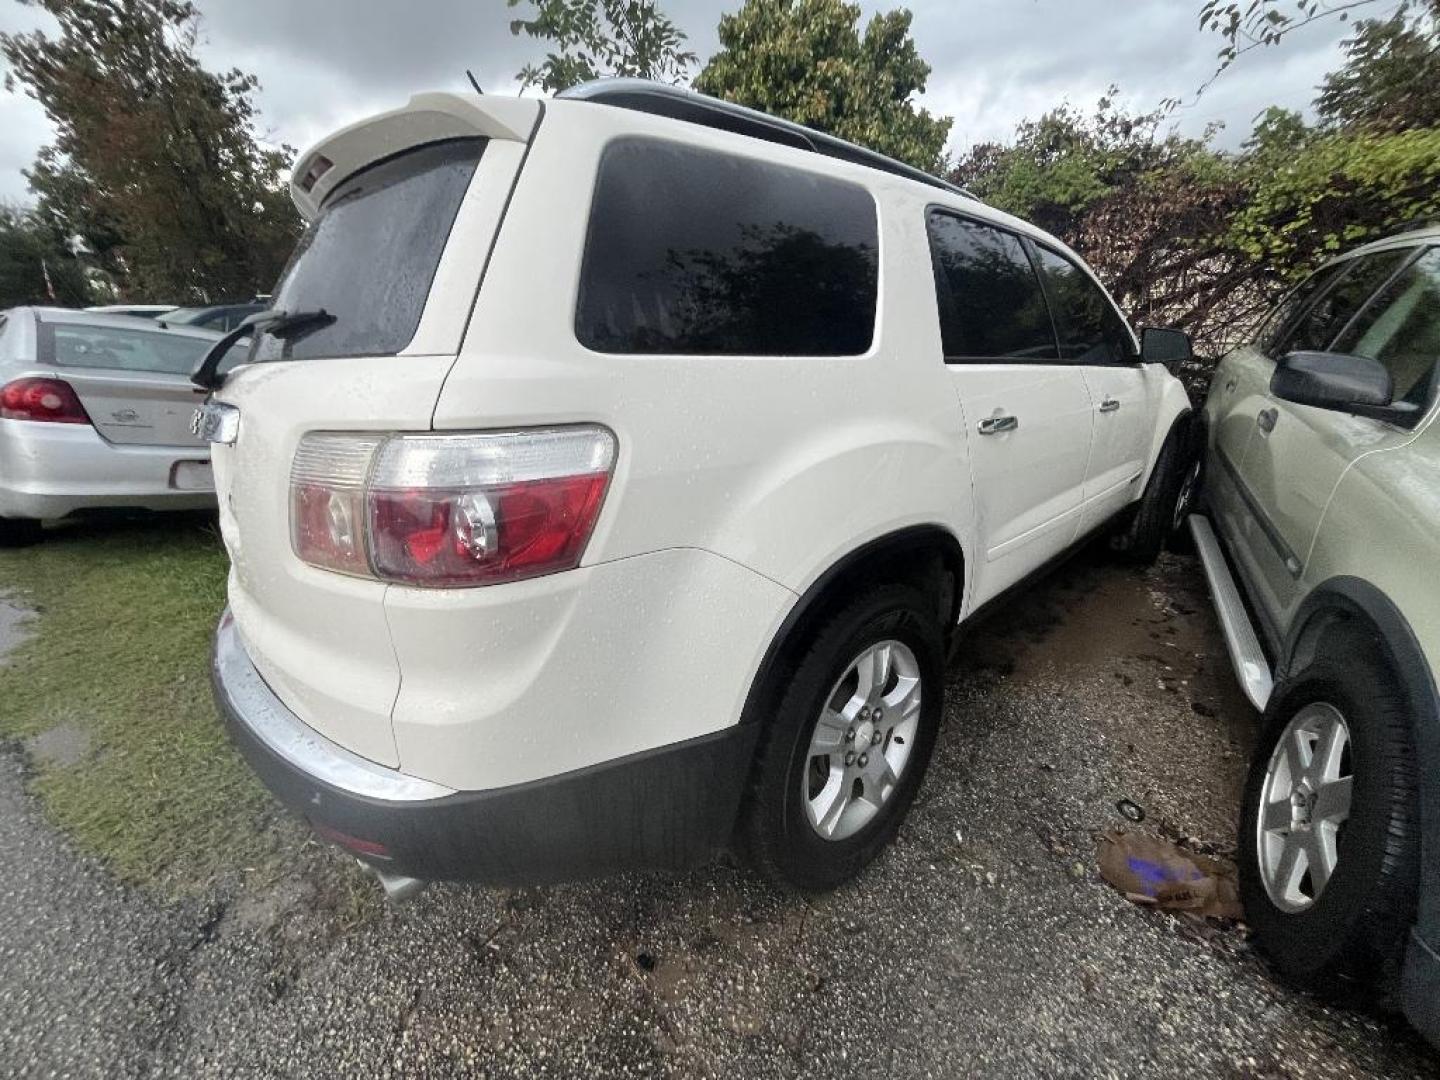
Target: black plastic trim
[[1292, 562], [1352, 599], [908, 539], [671, 808]]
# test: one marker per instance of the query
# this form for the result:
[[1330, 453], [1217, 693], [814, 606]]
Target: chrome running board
[[1251, 667]]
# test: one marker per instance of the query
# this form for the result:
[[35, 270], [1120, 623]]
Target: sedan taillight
[[52, 401], [449, 510]]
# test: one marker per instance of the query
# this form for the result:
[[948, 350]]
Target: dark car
[[222, 317]]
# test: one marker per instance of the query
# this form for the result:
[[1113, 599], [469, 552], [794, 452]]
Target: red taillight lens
[[450, 510], [49, 400], [486, 535]]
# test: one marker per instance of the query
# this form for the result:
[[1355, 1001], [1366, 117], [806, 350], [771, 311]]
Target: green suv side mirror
[[1340, 382], [1159, 346]]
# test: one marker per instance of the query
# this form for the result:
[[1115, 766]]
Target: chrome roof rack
[[678, 103]]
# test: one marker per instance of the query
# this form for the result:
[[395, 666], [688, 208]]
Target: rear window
[[75, 345], [371, 253], [696, 252]]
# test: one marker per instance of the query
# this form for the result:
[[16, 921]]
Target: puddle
[[15, 629], [63, 745]]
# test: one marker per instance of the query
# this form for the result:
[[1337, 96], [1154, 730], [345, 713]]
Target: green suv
[[1320, 536]]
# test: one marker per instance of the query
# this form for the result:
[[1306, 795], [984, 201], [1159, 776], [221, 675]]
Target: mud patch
[[1149, 630]]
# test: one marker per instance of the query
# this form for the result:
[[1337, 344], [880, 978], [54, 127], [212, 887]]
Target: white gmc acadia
[[612, 471]]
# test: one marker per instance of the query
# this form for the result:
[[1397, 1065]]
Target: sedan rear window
[[370, 255], [76, 345]]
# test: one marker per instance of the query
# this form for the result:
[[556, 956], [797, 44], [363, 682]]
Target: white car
[[95, 413], [611, 471], [139, 311]]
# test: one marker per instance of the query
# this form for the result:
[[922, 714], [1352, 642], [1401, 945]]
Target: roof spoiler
[[427, 118]]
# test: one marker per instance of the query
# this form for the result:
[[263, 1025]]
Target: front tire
[[848, 744], [1329, 848]]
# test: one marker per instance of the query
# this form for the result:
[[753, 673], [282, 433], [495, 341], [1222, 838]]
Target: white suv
[[610, 474]]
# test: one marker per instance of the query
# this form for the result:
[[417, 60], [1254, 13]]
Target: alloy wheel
[[1304, 804], [862, 740]]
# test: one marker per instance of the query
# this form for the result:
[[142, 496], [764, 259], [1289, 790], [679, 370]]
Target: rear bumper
[[668, 808], [51, 470]]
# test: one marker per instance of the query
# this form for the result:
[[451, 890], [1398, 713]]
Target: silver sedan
[[95, 412]]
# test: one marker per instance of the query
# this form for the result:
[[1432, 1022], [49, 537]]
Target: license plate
[[192, 476]]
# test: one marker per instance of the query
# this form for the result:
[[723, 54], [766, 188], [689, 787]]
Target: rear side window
[[371, 253], [1401, 329], [1089, 328], [991, 304], [1321, 324], [701, 253], [74, 345]]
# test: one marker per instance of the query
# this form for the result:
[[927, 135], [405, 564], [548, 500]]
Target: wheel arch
[[1174, 407], [918, 553], [1346, 601]]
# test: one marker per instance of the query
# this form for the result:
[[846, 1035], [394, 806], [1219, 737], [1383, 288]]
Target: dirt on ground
[[984, 943]]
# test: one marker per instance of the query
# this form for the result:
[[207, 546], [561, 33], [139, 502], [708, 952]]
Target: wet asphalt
[[983, 944]]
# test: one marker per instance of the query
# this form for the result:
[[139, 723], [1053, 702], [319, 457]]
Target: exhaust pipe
[[397, 887]]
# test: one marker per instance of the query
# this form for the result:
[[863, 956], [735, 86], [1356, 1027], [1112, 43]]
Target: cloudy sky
[[323, 63]]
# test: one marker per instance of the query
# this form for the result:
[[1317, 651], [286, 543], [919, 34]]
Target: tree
[[806, 60], [1147, 209], [35, 266], [595, 38], [155, 161], [1391, 77], [1258, 24]]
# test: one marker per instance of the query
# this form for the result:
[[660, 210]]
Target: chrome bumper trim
[[249, 701]]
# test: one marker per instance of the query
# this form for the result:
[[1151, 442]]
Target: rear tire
[[789, 782], [1348, 934], [1159, 515], [19, 532]]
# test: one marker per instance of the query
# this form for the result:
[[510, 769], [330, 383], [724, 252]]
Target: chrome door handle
[[1265, 420], [993, 425], [1110, 404]]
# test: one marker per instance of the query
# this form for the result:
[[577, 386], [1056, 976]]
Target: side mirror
[[1158, 346], [1340, 382]]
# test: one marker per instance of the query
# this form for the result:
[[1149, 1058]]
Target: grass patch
[[120, 655]]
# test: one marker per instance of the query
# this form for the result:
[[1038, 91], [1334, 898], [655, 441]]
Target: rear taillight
[[449, 510], [49, 400]]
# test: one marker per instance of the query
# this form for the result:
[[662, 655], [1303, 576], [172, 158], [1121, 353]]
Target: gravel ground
[[983, 943]]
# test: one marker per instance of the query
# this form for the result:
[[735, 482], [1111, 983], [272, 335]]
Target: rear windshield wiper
[[276, 323]]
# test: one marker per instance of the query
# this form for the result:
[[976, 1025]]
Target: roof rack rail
[[678, 103]]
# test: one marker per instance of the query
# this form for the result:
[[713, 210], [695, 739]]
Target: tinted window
[[990, 301], [1088, 326], [79, 346], [370, 255], [1322, 322], [1401, 329], [696, 252]]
